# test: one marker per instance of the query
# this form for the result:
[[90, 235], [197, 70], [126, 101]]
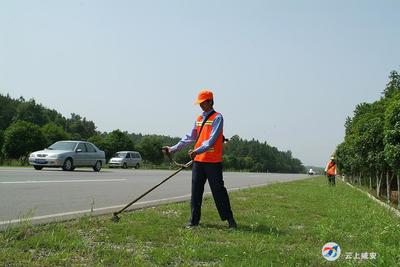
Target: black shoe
[[191, 225], [232, 224]]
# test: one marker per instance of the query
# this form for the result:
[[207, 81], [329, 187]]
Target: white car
[[126, 159], [68, 155]]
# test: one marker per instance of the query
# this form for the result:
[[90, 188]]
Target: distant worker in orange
[[207, 133], [330, 171]]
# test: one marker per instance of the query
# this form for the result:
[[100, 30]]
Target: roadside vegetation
[[284, 224], [26, 126], [370, 153]]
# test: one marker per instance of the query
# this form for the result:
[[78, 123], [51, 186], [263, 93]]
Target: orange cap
[[203, 96]]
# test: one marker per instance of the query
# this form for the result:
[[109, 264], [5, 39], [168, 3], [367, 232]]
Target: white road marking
[[107, 210], [63, 181], [104, 210]]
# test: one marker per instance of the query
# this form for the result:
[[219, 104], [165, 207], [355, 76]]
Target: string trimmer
[[116, 218]]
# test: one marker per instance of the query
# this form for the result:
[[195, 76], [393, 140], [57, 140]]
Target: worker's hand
[[192, 154]]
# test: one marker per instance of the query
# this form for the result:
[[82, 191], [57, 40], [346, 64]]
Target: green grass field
[[279, 225]]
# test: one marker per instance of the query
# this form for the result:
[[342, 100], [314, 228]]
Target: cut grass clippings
[[282, 224]]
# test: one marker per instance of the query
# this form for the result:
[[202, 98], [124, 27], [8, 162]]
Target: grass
[[279, 225], [382, 195], [13, 163]]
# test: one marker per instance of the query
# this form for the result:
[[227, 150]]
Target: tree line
[[26, 126], [370, 152]]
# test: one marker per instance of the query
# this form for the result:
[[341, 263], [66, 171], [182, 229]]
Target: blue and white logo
[[331, 251]]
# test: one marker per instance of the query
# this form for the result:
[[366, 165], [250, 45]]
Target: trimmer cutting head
[[115, 217]]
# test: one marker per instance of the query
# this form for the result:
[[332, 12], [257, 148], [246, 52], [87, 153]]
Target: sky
[[283, 72]]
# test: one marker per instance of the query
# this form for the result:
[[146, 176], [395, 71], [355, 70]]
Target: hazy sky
[[284, 72]]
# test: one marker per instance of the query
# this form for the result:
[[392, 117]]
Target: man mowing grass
[[207, 160]]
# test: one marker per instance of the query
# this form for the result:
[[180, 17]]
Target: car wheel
[[97, 166], [124, 166], [137, 166], [37, 167], [68, 165]]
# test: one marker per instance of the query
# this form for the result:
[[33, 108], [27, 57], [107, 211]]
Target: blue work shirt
[[191, 137]]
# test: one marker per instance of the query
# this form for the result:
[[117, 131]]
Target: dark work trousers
[[331, 179], [212, 172]]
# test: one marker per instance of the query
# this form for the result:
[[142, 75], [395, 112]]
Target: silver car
[[126, 159], [68, 155]]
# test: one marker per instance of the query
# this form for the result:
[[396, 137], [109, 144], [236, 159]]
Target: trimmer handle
[[166, 152], [184, 166]]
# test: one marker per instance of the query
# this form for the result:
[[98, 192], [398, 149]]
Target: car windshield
[[119, 155], [69, 146]]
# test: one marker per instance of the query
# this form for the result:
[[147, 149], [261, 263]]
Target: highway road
[[53, 195]]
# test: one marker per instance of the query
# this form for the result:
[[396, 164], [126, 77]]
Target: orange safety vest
[[214, 153], [331, 168]]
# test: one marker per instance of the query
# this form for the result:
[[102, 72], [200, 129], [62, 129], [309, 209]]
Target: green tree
[[359, 141], [393, 86], [56, 118], [1, 146], [54, 133], [368, 139], [372, 139], [21, 138], [150, 148], [31, 112], [100, 141], [230, 162], [255, 156], [80, 128], [392, 137], [343, 158], [117, 141], [8, 107]]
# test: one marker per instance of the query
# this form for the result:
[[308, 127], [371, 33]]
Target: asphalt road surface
[[53, 195]]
